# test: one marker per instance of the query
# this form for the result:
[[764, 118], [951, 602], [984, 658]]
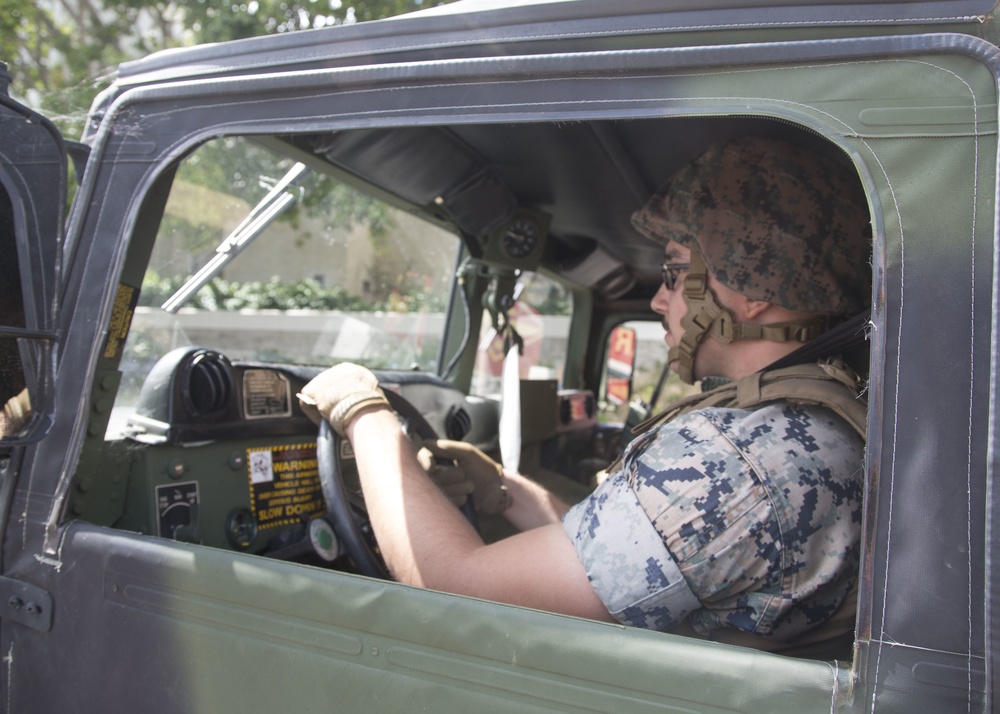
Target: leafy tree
[[215, 23], [61, 53]]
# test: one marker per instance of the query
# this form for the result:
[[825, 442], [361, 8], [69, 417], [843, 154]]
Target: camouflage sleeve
[[736, 519], [761, 511], [630, 568]]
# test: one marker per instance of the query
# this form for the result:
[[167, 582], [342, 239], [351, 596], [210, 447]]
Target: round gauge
[[324, 540], [241, 528], [520, 237]]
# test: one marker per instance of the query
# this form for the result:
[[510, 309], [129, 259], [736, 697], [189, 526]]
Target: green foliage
[[235, 166], [61, 53], [557, 302], [215, 23], [223, 295], [545, 296], [353, 207]]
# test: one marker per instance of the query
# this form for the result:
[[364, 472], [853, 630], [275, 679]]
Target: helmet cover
[[774, 221]]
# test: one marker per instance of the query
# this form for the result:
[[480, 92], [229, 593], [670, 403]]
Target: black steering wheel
[[345, 510]]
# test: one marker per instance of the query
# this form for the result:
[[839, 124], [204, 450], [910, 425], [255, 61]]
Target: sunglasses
[[672, 273]]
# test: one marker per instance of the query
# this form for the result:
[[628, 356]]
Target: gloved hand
[[15, 414], [339, 394], [469, 472], [447, 476]]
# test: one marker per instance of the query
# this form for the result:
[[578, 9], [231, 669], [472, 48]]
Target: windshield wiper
[[278, 200]]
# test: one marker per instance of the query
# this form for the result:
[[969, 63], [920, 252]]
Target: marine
[[735, 515]]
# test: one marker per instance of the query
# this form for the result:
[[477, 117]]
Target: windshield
[[262, 259]]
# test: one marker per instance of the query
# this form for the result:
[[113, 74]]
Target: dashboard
[[220, 453]]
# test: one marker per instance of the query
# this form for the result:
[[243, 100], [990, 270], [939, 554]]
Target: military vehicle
[[398, 190]]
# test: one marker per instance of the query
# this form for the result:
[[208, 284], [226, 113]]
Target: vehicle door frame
[[145, 131]]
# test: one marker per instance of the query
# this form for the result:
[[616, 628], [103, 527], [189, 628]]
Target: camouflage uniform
[[741, 518], [729, 517]]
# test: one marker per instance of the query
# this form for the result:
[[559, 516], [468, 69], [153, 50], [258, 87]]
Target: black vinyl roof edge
[[496, 29]]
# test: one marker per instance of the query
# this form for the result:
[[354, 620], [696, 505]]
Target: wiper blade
[[278, 200]]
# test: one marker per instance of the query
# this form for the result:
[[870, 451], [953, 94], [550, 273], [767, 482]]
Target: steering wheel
[[345, 510]]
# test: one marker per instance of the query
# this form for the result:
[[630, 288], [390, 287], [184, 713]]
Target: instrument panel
[[220, 453]]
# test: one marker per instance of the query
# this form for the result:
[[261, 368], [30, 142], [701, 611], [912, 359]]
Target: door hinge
[[25, 604]]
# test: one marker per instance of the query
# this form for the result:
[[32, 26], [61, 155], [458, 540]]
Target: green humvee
[[388, 193]]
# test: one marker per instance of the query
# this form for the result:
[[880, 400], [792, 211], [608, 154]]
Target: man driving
[[735, 514]]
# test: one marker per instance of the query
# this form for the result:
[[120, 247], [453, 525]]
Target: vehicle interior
[[417, 251]]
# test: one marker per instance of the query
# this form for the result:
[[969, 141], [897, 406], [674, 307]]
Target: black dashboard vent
[[206, 384], [187, 389], [457, 424]]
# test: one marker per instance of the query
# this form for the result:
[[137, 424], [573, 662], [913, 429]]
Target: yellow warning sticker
[[121, 320], [284, 484]]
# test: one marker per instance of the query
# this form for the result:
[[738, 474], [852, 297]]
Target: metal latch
[[25, 604]]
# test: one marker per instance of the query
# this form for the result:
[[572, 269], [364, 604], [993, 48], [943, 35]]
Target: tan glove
[[15, 414], [447, 476], [473, 473], [339, 394]]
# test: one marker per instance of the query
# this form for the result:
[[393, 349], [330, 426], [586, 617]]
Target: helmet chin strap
[[706, 316]]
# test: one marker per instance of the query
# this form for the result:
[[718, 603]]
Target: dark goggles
[[672, 273]]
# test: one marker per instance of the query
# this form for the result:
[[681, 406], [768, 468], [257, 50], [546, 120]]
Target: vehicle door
[[32, 200], [166, 625]]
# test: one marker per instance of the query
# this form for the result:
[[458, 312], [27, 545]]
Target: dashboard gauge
[[519, 241], [521, 237], [241, 528], [324, 540], [176, 509]]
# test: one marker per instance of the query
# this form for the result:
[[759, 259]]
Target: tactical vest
[[828, 383]]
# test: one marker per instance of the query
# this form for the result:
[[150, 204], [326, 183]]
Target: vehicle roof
[[624, 162], [498, 27]]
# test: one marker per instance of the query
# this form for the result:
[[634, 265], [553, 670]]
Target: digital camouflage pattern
[[758, 511], [631, 571], [774, 221]]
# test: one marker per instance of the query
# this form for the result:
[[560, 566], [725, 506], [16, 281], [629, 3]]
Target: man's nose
[[661, 300]]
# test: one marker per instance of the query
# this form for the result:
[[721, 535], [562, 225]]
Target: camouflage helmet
[[774, 221]]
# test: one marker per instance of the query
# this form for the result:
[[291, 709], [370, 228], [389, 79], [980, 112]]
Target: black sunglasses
[[672, 272]]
